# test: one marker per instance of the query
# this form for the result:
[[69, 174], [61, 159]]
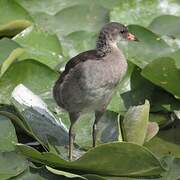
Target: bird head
[[116, 32]]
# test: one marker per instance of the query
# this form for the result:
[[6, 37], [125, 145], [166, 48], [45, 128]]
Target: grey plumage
[[89, 79]]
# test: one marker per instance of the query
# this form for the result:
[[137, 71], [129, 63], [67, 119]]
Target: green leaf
[[42, 124], [149, 47], [135, 123], [78, 41], [7, 134], [73, 19], [100, 161], [166, 142], [13, 18], [176, 56], [10, 50], [142, 12], [12, 164], [40, 45], [141, 89], [166, 25], [94, 177], [164, 73], [152, 130], [48, 7], [66, 174], [30, 73], [173, 165]]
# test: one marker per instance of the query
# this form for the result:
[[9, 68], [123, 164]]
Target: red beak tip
[[131, 37]]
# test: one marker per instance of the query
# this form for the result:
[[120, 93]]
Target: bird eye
[[122, 31]]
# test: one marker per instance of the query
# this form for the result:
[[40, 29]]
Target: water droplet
[[164, 68], [163, 82]]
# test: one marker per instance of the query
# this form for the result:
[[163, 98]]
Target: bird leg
[[98, 115], [73, 118]]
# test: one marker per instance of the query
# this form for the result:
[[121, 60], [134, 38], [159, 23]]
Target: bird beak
[[131, 37]]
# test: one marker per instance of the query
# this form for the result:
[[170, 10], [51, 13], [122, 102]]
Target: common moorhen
[[89, 79]]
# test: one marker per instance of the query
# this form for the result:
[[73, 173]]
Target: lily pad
[[7, 134], [142, 12], [41, 122], [40, 45], [89, 17], [105, 164], [10, 50], [173, 165], [48, 7], [38, 173], [66, 174], [77, 42], [141, 89], [163, 72], [152, 130], [13, 18], [135, 123], [12, 164], [166, 25], [149, 47], [30, 73], [166, 142]]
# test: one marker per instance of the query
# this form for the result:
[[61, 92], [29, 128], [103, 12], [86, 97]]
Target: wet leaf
[[152, 130], [164, 73], [41, 122], [12, 164], [105, 164], [10, 50], [166, 25], [40, 45], [7, 134], [135, 123], [30, 73], [142, 12], [13, 18], [95, 17], [166, 142], [149, 47]]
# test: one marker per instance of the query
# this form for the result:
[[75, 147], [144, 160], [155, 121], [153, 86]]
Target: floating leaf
[[13, 18], [152, 130], [10, 50], [149, 47], [173, 168], [41, 46], [166, 142], [12, 164], [142, 12], [166, 25], [135, 123], [66, 174], [41, 122], [78, 42], [30, 73], [100, 161], [163, 72], [7, 134], [87, 17]]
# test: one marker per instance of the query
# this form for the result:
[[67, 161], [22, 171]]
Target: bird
[[90, 78]]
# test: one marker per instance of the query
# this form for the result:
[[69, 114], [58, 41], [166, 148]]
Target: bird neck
[[104, 45]]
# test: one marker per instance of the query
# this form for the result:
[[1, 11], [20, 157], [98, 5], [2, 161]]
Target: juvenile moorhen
[[89, 79]]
